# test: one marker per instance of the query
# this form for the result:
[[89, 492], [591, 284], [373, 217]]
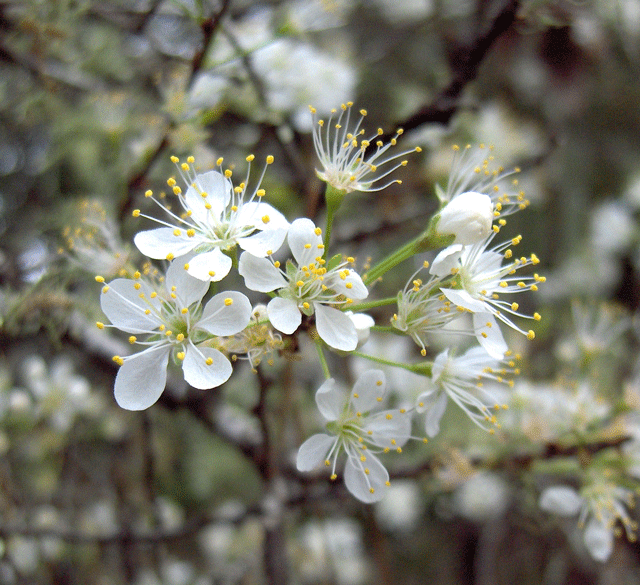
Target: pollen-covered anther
[[228, 302]]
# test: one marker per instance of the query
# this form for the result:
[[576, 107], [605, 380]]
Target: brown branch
[[466, 67]]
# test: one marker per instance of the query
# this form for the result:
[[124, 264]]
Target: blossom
[[459, 378], [216, 218], [309, 286], [468, 217], [479, 281], [176, 323], [475, 170], [343, 152], [603, 503], [359, 432], [421, 311]]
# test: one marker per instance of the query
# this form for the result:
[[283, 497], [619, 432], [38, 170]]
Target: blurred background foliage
[[94, 98]]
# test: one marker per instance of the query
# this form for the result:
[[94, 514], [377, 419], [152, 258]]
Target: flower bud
[[468, 216]]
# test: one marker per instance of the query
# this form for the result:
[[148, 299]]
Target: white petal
[[363, 324], [303, 241], [227, 313], [142, 378], [313, 452], [439, 364], [210, 266], [489, 335], [360, 483], [446, 260], [389, 428], [125, 308], [260, 274], [255, 213], [284, 315], [188, 289], [330, 400], [262, 243], [562, 500], [218, 189], [463, 299], [598, 540], [162, 242], [335, 328], [369, 390], [434, 415], [357, 288], [199, 374]]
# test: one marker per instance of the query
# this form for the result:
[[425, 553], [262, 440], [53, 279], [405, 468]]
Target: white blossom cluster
[[212, 227]]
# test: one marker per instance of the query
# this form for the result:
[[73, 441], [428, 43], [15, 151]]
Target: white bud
[[468, 216]]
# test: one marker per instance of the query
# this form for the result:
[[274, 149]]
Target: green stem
[[422, 369], [430, 239], [372, 304], [323, 359], [327, 230], [333, 198]]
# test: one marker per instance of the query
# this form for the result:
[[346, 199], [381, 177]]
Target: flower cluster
[[212, 228]]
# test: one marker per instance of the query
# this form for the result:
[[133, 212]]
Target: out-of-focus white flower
[[480, 279], [308, 287], [357, 429], [601, 505], [483, 496], [613, 228], [94, 244], [175, 322], [295, 74], [460, 379], [216, 218], [468, 217], [401, 507], [347, 163]]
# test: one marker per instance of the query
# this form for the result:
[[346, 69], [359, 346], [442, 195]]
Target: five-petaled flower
[[358, 431], [216, 218], [174, 321], [309, 286]]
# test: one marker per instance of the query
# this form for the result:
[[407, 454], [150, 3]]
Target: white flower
[[347, 164], [474, 170], [603, 503], [480, 279], [174, 321], [312, 286], [468, 216], [358, 432], [460, 379], [216, 218]]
